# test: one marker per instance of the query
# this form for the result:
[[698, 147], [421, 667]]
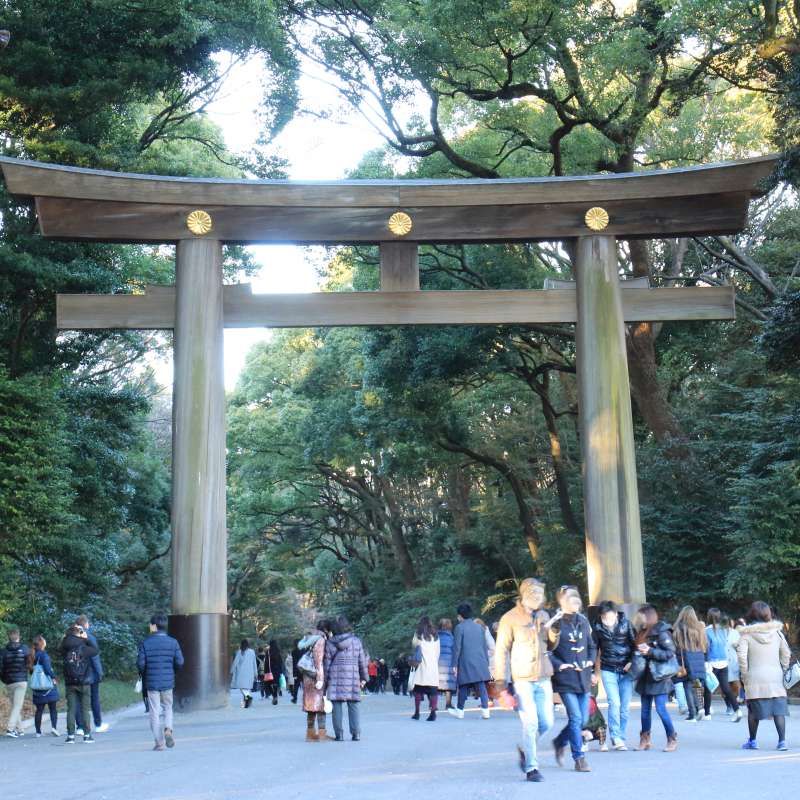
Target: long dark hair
[[425, 629], [274, 652], [714, 617]]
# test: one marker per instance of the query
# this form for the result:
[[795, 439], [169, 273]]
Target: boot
[[645, 742], [581, 765], [559, 751], [311, 735], [322, 736], [672, 743], [432, 716]]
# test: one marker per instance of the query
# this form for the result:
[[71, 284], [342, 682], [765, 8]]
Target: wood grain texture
[[156, 310], [35, 179], [399, 266], [155, 222], [615, 568], [199, 531]]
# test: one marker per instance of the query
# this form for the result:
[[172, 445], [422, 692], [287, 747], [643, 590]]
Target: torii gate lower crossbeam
[[397, 215]]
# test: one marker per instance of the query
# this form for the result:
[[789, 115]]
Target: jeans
[[155, 701], [619, 689], [17, 692], [661, 710], [96, 715], [353, 717], [463, 691], [79, 696], [536, 714], [577, 706], [724, 687]]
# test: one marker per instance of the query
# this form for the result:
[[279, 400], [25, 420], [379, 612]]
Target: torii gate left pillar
[[199, 618]]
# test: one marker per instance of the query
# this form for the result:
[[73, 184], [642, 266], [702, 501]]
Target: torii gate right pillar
[[614, 564]]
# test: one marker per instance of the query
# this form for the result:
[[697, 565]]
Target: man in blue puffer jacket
[[159, 656]]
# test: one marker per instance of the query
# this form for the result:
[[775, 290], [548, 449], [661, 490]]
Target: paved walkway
[[260, 753]]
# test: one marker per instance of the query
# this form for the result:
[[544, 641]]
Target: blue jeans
[[463, 691], [577, 706], [661, 710], [619, 689], [536, 714]]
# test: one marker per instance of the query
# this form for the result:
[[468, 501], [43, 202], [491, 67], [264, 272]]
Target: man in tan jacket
[[522, 645]]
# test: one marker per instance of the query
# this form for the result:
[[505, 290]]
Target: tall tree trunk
[[646, 390], [399, 545], [458, 491], [526, 516]]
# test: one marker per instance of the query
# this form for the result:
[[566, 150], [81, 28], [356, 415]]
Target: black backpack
[[76, 666]]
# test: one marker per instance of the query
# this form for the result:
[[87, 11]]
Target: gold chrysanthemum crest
[[400, 223], [199, 222], [596, 218]]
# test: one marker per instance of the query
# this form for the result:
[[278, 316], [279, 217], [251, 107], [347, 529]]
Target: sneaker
[[700, 715], [70, 740], [88, 739], [458, 713], [159, 747], [783, 747], [619, 745], [486, 713], [169, 739], [38, 735], [750, 744], [11, 734], [104, 727], [79, 732], [20, 733], [691, 719], [534, 776], [604, 747], [55, 733], [737, 717], [709, 712]]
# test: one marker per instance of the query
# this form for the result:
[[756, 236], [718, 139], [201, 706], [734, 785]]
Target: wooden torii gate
[[201, 214]]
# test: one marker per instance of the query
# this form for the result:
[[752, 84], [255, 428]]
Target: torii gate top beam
[[75, 203]]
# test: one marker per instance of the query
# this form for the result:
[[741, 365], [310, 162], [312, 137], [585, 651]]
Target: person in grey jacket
[[470, 661], [346, 674], [244, 672]]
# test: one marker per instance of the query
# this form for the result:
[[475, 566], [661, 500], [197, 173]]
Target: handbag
[[712, 681], [268, 677], [638, 666], [791, 676], [663, 670], [682, 671], [40, 680], [412, 679], [305, 666], [282, 682]]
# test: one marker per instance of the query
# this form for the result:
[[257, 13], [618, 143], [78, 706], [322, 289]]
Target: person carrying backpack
[[77, 653]]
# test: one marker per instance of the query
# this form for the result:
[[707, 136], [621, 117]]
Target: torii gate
[[202, 214]]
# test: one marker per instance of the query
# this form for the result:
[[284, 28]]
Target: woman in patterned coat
[[313, 694]]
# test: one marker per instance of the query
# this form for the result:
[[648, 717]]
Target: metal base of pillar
[[203, 683]]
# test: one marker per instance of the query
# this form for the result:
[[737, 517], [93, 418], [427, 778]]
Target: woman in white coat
[[244, 672], [426, 681]]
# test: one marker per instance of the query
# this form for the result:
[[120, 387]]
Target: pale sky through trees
[[316, 150]]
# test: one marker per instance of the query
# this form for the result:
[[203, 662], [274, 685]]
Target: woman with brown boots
[[658, 665], [311, 668]]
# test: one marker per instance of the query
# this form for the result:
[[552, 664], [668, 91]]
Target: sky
[[316, 150]]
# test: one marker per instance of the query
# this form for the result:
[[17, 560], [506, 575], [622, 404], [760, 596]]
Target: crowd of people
[[530, 660]]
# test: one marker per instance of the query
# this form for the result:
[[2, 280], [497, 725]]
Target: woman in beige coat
[[763, 656]]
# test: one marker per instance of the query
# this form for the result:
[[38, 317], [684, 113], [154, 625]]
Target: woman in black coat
[[273, 665], [573, 654], [654, 643]]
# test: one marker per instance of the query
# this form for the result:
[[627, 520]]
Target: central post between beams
[[614, 562], [199, 617]]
